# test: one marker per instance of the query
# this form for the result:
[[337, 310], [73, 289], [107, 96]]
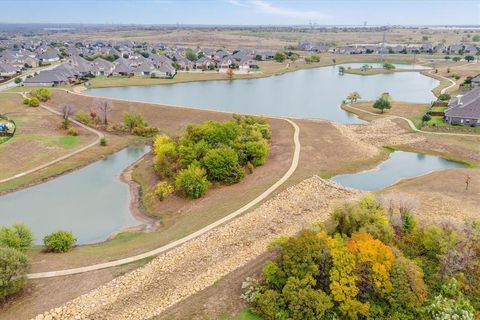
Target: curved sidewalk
[[167, 247], [412, 125], [43, 166]]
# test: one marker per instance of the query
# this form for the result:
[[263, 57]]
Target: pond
[[312, 93], [91, 202], [398, 166]]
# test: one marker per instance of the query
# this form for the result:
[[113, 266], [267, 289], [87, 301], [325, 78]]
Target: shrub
[[43, 94], [426, 117], [250, 167], [133, 120], [256, 152], [388, 66], [72, 131], [103, 141], [163, 189], [18, 80], [59, 241], [145, 131], [444, 97], [193, 181], [83, 117], [18, 236], [280, 56], [13, 270], [222, 165], [33, 102]]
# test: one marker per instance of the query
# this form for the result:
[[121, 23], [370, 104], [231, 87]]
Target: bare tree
[[67, 112], [467, 182], [104, 107]]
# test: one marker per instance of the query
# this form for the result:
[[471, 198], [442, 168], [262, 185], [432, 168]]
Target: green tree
[[456, 59], [353, 97], [18, 236], [469, 58], [43, 94], [193, 181], [222, 165], [13, 269], [134, 120], [280, 56], [388, 66], [191, 55], [382, 104], [444, 97]]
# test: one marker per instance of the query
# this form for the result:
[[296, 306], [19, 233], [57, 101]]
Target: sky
[[243, 12]]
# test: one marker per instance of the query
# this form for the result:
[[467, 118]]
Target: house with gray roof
[[464, 109]]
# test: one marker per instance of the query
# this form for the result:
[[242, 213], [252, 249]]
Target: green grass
[[437, 121], [68, 141], [244, 315], [438, 109], [367, 72]]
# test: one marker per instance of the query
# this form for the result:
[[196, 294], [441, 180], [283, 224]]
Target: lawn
[[367, 72]]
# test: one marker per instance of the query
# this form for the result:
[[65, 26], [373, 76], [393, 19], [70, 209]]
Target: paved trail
[[196, 234], [43, 166]]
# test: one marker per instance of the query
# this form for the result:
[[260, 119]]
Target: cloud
[[269, 8]]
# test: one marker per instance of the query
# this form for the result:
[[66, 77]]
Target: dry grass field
[[269, 39]]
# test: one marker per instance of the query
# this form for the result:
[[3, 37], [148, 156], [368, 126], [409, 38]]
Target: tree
[[42, 94], [353, 97], [382, 104], [191, 55], [104, 107], [280, 56], [59, 241], [133, 120], [18, 236], [222, 165], [388, 66], [469, 58], [13, 269], [18, 80], [444, 97], [193, 181], [230, 73], [456, 59], [67, 112], [476, 38]]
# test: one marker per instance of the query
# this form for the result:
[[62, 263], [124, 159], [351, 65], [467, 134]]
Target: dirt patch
[[441, 196]]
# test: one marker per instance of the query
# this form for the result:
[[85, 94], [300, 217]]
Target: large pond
[[91, 202], [399, 165], [313, 93]]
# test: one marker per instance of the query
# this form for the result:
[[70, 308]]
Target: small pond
[[91, 202], [398, 166], [312, 93]]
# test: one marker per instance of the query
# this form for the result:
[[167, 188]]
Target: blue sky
[[243, 12]]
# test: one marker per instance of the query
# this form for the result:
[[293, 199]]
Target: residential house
[[48, 57], [455, 49], [7, 71], [102, 67], [440, 48], [464, 109], [476, 81], [470, 49]]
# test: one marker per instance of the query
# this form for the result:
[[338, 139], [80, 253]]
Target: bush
[[83, 117], [59, 241], [280, 56], [426, 117], [13, 269], [133, 120], [19, 237], [103, 141], [222, 165], [163, 190], [444, 97], [193, 181], [33, 102], [18, 80], [72, 131], [145, 131], [388, 66], [43, 94]]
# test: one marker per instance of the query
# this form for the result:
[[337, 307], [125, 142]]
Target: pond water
[[313, 93], [398, 166], [91, 202]]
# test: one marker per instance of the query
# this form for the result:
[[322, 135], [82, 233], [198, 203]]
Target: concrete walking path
[[43, 166], [167, 247], [412, 125]]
